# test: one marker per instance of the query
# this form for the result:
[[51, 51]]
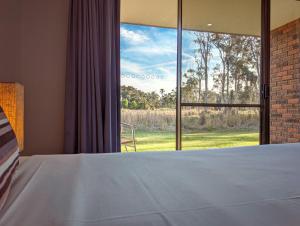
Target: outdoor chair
[[128, 136]]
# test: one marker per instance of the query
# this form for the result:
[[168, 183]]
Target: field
[[155, 129], [159, 141]]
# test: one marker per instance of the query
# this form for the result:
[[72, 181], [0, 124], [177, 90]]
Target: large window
[[191, 74], [221, 73], [148, 75]]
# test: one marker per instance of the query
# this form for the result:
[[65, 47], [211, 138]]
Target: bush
[[193, 119]]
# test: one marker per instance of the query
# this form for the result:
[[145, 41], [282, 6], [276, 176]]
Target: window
[[148, 75], [191, 72], [221, 73]]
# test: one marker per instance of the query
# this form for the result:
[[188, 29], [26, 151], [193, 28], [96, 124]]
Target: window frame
[[264, 105]]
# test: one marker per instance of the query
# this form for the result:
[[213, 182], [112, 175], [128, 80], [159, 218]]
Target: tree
[[138, 99], [133, 105], [224, 45], [255, 55], [162, 92], [238, 70], [192, 87], [125, 103], [169, 100], [204, 47]]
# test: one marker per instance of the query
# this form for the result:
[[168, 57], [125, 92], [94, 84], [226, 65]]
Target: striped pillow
[[9, 157]]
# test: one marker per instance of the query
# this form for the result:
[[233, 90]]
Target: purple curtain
[[92, 116]]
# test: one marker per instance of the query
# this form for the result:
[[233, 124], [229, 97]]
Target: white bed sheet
[[251, 186]]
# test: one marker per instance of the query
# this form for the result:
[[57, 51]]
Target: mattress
[[250, 186]]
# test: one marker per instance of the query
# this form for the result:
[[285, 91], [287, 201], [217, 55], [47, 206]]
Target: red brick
[[285, 83], [294, 101]]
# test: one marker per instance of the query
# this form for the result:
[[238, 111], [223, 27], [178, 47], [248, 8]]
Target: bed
[[250, 186]]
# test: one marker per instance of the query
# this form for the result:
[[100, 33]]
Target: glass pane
[[148, 74], [285, 71], [221, 51], [205, 128]]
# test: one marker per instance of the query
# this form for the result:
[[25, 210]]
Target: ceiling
[[225, 16], [284, 11]]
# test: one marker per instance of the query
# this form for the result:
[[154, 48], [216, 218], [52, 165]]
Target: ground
[[165, 141]]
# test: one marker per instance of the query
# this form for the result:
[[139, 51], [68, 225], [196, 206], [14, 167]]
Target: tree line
[[132, 98], [236, 75]]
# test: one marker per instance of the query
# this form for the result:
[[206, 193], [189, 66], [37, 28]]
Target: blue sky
[[148, 57]]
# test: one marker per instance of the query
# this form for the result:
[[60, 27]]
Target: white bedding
[[253, 186]]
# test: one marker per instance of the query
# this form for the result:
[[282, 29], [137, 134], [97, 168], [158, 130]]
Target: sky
[[148, 57]]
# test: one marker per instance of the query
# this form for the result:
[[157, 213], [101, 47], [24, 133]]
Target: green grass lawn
[[165, 141]]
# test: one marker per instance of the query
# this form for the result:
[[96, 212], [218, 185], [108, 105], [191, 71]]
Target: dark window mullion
[[179, 75], [265, 73], [220, 105]]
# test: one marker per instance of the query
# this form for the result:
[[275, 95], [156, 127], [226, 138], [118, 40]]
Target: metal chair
[[128, 136]]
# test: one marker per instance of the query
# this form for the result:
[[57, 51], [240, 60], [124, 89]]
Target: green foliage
[[133, 98], [133, 105], [235, 77], [125, 103]]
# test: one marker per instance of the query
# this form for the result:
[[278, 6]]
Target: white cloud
[[131, 67], [168, 72], [149, 59], [152, 50], [151, 77], [156, 49], [132, 36], [153, 84], [168, 63], [163, 76]]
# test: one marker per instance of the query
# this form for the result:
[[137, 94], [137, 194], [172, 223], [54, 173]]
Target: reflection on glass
[[221, 68], [148, 75], [205, 128], [221, 52]]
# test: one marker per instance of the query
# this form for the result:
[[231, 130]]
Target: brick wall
[[285, 83]]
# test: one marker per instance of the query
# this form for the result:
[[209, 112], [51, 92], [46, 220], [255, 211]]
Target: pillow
[[9, 156]]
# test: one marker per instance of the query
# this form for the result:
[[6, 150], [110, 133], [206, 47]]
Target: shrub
[[193, 119]]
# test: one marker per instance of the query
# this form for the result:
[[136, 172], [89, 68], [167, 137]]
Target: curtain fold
[[92, 106]]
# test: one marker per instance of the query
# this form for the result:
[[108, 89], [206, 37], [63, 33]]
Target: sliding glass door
[[221, 73], [148, 75], [192, 75]]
